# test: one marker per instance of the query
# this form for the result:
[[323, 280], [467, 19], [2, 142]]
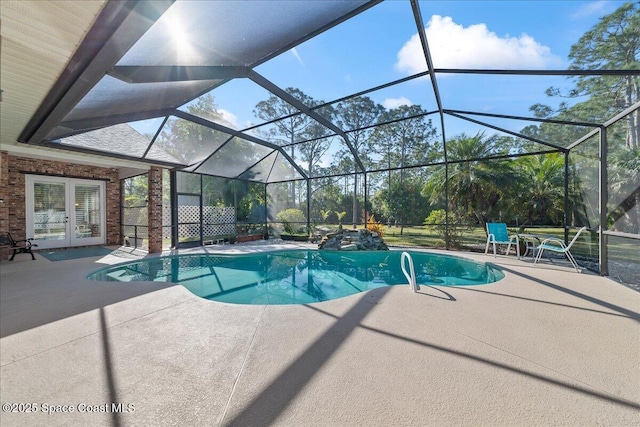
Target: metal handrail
[[411, 275], [135, 233]]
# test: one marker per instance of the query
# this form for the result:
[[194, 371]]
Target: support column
[[602, 205], [266, 213], [565, 218], [4, 200], [365, 216], [155, 209], [309, 230]]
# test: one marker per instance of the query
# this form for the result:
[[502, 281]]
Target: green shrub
[[451, 235], [293, 221]]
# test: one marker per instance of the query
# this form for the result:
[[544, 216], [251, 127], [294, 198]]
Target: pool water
[[297, 276]]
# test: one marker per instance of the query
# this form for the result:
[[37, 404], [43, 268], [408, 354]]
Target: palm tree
[[541, 194], [475, 187], [340, 215]]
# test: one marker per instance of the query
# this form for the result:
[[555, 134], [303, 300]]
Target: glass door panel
[[49, 213], [87, 219]]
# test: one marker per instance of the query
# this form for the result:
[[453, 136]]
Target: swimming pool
[[297, 276]]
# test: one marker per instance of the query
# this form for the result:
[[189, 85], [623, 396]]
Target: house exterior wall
[[12, 190]]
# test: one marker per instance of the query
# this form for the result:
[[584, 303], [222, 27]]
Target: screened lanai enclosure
[[261, 135]]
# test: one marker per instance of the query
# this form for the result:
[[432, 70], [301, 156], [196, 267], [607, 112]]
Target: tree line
[[486, 177]]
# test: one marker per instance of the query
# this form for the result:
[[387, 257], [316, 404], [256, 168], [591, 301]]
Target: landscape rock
[[350, 240]]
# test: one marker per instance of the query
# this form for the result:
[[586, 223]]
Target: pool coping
[[168, 272]]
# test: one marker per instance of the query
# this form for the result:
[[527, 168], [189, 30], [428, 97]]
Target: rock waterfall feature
[[353, 240]]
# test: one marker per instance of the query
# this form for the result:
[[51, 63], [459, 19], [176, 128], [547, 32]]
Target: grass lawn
[[475, 239]]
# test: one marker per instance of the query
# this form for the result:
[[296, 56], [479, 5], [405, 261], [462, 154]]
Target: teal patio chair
[[554, 244], [497, 234]]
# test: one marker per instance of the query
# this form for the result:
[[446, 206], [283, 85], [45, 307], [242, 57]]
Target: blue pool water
[[297, 276]]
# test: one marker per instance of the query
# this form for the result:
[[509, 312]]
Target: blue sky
[[381, 45]]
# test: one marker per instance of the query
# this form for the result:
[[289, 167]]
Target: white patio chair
[[554, 244]]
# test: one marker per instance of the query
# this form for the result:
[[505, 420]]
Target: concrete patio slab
[[543, 346]]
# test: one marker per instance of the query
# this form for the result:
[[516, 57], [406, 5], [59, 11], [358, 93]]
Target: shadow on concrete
[[33, 295], [109, 369], [276, 397], [265, 408], [557, 304], [593, 393], [623, 311], [584, 390], [447, 296]]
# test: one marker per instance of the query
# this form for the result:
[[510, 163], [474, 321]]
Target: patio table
[[531, 242]]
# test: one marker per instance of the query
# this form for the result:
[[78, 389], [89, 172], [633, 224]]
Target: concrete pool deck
[[543, 346]]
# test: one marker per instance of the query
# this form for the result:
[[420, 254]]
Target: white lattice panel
[[166, 215], [219, 215], [217, 221], [188, 214], [166, 222]]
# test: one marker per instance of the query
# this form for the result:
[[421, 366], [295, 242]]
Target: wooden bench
[[18, 246]]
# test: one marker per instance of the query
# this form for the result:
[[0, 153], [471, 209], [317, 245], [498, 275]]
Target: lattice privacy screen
[[218, 221], [166, 222]]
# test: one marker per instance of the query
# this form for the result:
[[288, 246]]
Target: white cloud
[[596, 8], [454, 46], [390, 103], [229, 118], [295, 53]]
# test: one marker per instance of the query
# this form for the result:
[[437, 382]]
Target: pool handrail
[[411, 277]]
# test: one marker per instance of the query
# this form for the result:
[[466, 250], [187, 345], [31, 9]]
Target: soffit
[[38, 38]]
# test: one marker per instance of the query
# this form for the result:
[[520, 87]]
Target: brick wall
[[12, 191], [4, 195], [155, 209]]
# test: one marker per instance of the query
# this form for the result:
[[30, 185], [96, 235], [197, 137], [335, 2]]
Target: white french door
[[64, 212]]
